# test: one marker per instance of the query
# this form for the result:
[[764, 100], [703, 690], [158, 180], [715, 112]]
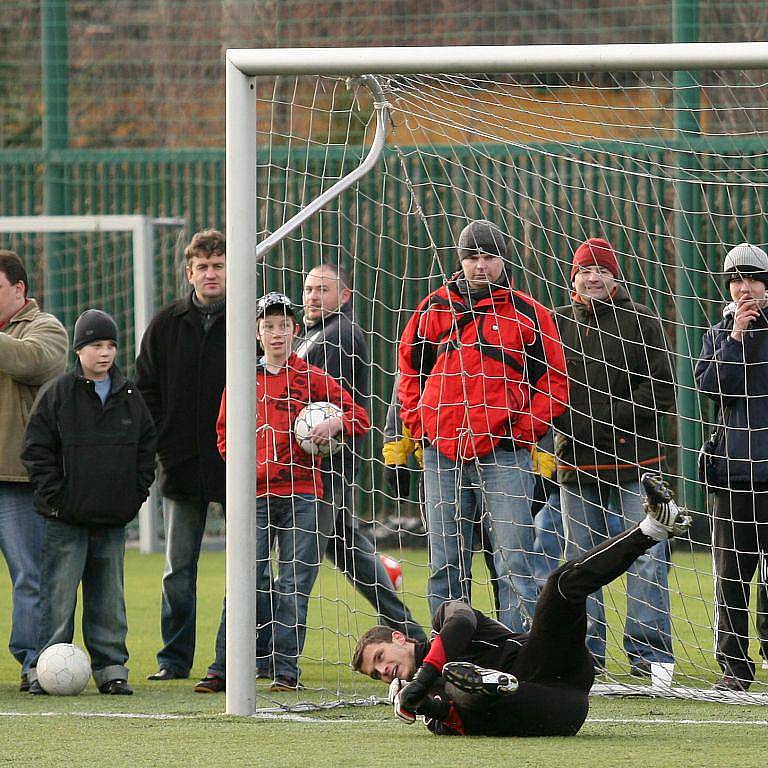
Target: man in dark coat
[[181, 372], [333, 341], [732, 370], [621, 382]]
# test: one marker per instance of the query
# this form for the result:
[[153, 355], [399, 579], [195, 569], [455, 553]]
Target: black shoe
[[734, 684], [473, 679], [24, 684], [641, 668], [36, 689], [164, 673], [116, 688], [660, 505], [211, 684]]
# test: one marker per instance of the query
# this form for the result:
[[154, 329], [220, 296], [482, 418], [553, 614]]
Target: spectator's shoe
[[36, 689], [473, 679], [282, 684], [116, 687], [211, 684], [641, 668], [660, 505], [24, 684], [764, 665], [164, 674], [733, 684]]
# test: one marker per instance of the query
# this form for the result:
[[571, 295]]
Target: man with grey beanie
[[482, 375], [732, 370]]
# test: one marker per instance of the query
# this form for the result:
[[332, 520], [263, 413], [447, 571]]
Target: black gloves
[[415, 692], [397, 481]]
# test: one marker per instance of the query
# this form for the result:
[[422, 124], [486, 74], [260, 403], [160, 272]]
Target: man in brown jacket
[[33, 350]]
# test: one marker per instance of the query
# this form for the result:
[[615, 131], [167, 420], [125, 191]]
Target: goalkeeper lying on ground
[[476, 677]]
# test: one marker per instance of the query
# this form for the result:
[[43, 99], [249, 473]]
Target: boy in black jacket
[[89, 448]]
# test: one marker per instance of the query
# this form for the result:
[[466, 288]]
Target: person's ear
[[399, 638], [346, 295]]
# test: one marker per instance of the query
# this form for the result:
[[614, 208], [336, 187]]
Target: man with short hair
[[621, 383], [33, 350], [181, 372], [482, 376], [731, 370], [476, 677], [332, 341]]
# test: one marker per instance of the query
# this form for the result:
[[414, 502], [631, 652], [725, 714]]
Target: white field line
[[270, 714]]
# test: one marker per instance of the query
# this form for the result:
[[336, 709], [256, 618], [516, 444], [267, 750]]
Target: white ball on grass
[[63, 669]]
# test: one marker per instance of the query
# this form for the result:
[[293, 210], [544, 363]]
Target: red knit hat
[[595, 251]]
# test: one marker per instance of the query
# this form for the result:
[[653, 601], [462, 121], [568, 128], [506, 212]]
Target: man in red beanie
[[620, 376]]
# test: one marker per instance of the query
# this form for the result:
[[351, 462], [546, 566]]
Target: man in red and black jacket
[[482, 375], [476, 677]]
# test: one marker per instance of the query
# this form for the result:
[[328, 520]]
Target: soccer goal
[[123, 264], [661, 149]]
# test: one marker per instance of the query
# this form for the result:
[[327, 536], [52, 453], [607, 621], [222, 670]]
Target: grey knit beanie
[[746, 259]]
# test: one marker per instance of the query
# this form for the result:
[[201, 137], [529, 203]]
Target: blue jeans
[[592, 513], [184, 529], [550, 540], [353, 553], [281, 605], [502, 484], [94, 556], [21, 537]]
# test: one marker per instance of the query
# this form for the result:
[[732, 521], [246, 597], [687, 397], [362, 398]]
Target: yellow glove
[[396, 453], [544, 463]]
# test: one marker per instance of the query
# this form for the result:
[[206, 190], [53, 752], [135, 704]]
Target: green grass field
[[166, 724]]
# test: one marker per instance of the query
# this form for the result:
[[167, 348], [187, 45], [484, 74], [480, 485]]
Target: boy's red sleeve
[[355, 417], [221, 426]]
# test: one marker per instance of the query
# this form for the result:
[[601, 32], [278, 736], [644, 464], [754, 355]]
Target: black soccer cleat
[[470, 678], [661, 506]]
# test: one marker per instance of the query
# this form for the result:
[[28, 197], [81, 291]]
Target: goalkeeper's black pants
[[554, 669]]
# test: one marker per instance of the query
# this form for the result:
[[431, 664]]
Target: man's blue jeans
[[592, 513], [353, 553], [550, 539], [94, 556], [184, 529], [21, 537], [502, 483], [282, 604]]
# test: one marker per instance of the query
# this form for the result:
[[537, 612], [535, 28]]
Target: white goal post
[[242, 69], [141, 229]]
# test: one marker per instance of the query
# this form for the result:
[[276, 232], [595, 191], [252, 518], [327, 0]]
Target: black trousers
[[554, 669], [739, 535]]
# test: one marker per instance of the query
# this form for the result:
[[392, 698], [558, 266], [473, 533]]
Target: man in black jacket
[[181, 372], [476, 677], [332, 340], [621, 384], [732, 370]]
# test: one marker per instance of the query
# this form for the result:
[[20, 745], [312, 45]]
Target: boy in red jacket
[[289, 487]]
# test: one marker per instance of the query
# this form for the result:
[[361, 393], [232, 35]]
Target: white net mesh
[[671, 171]]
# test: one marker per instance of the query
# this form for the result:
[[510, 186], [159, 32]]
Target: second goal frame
[[242, 66]]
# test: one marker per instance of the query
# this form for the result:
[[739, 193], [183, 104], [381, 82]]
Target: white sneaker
[[660, 505], [470, 678]]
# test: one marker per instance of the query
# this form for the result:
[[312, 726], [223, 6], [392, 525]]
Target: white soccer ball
[[63, 670], [310, 416]]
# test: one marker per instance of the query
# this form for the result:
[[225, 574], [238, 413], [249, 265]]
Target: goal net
[[670, 168]]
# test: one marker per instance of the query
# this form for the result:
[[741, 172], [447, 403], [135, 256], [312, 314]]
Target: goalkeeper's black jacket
[[544, 704]]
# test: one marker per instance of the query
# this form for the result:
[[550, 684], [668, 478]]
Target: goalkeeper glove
[[398, 481], [414, 693], [394, 699]]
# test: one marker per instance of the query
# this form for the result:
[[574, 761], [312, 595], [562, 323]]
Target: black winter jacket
[[735, 375], [90, 464], [181, 372], [336, 345], [621, 383]]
